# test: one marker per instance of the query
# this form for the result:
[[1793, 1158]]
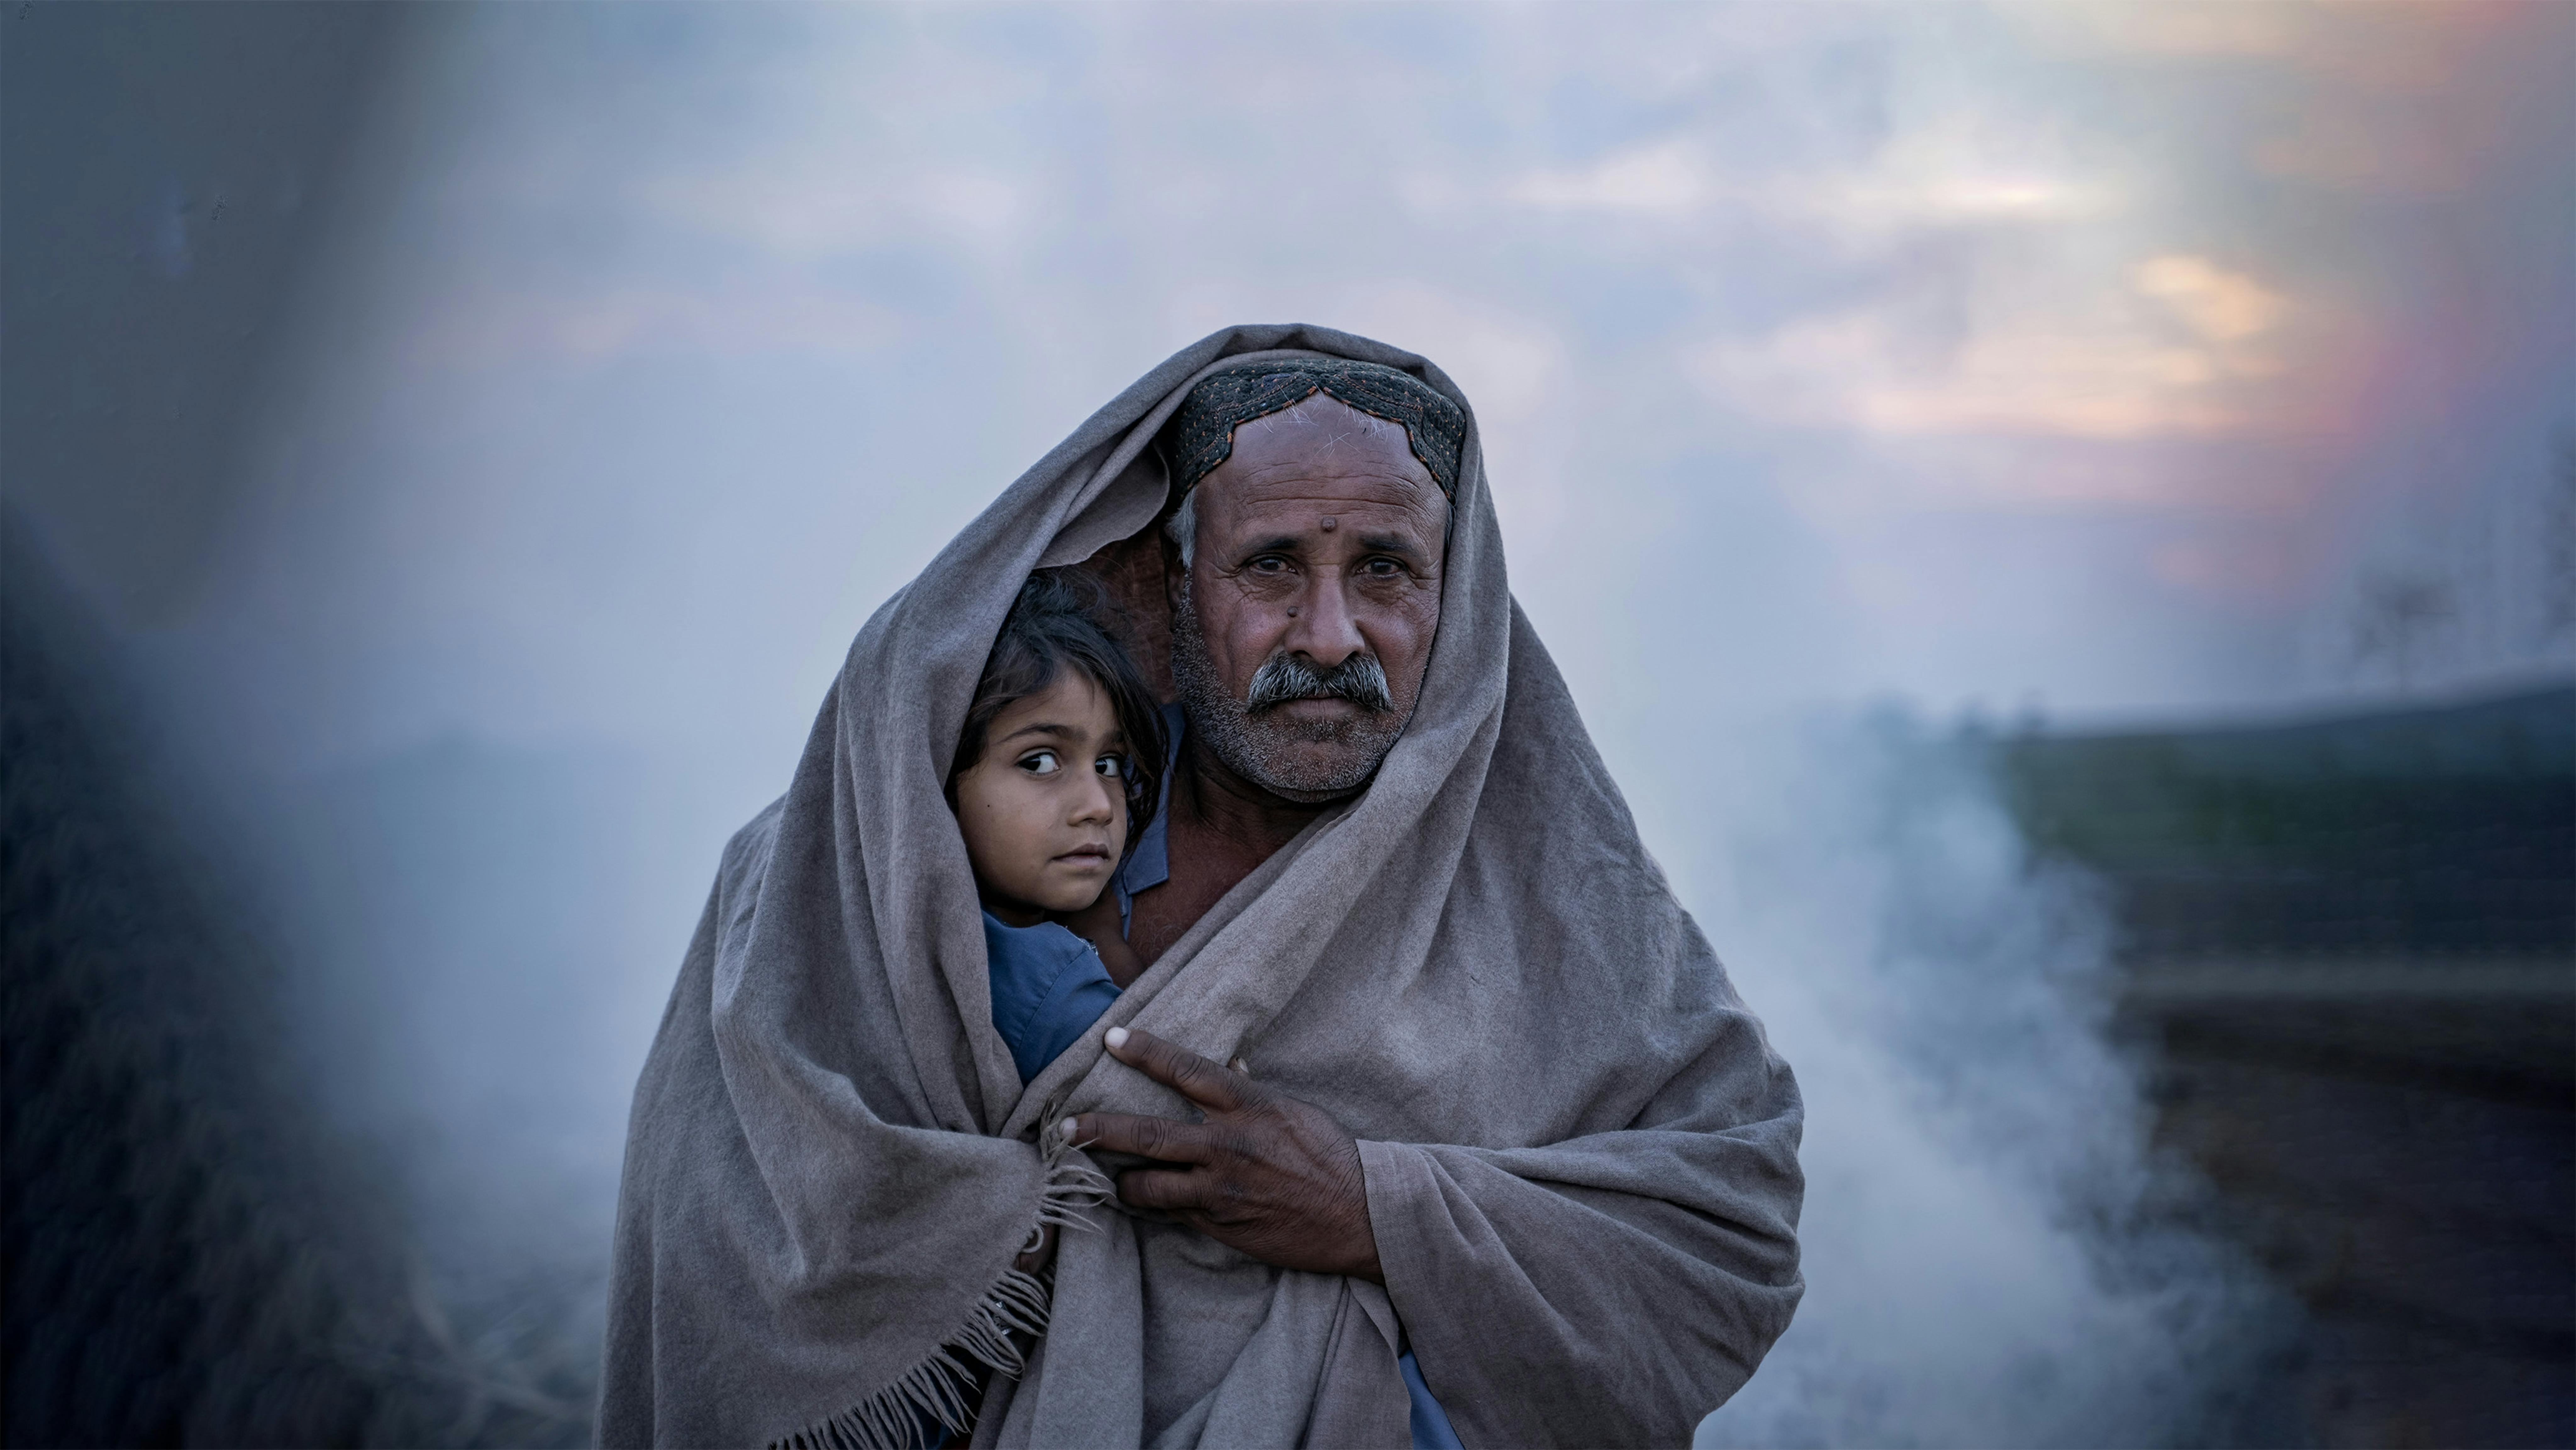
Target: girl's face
[[1044, 812]]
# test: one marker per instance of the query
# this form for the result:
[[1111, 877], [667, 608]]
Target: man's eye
[[1267, 564], [1383, 568], [1110, 765], [1039, 762]]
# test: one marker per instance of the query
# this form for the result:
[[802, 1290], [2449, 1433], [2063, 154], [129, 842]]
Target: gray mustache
[[1284, 677]]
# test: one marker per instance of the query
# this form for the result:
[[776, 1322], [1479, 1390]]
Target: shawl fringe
[[943, 1386]]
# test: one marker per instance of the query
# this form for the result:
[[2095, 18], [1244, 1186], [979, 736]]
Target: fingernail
[[1115, 1037], [1068, 1128]]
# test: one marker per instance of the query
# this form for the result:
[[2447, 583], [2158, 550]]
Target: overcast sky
[[2060, 356]]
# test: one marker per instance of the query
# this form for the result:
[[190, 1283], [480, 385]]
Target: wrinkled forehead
[[1322, 438]]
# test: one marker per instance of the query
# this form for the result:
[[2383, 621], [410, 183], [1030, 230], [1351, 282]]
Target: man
[[1426, 1077]]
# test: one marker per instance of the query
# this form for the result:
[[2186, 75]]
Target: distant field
[[2351, 946]]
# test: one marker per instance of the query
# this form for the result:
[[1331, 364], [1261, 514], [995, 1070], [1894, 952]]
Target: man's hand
[[1266, 1174]]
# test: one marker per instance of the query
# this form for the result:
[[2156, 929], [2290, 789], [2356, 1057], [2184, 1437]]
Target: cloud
[[505, 327], [2222, 306], [2381, 144], [1912, 186], [2178, 351], [827, 206], [2372, 95], [1962, 199], [2172, 28], [1665, 177]]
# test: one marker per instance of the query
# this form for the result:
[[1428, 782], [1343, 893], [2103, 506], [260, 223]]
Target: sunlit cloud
[[1908, 188], [2176, 352], [1966, 199], [2196, 29], [2222, 306]]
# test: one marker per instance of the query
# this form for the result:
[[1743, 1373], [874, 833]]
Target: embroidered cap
[[1201, 435]]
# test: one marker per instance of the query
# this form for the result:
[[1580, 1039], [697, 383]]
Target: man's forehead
[[1370, 512], [1355, 491], [1324, 432]]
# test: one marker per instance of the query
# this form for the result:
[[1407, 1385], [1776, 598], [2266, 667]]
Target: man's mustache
[[1285, 677]]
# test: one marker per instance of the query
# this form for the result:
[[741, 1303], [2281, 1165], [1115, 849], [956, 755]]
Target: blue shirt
[[1150, 864], [1049, 986]]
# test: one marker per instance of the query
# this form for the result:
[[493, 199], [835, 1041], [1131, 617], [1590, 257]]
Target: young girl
[[1058, 770]]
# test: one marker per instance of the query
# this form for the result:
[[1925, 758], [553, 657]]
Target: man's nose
[[1323, 628]]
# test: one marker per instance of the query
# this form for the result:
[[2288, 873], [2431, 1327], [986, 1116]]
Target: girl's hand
[[1035, 1260]]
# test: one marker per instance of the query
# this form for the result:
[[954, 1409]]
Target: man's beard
[[1258, 743]]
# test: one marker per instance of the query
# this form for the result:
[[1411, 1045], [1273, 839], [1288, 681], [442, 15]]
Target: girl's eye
[[1042, 762], [1111, 766]]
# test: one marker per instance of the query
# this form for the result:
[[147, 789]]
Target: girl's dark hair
[[1054, 625]]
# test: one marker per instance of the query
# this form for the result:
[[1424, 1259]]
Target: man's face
[[1316, 570]]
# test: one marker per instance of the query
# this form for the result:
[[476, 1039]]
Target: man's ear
[[1173, 571]]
